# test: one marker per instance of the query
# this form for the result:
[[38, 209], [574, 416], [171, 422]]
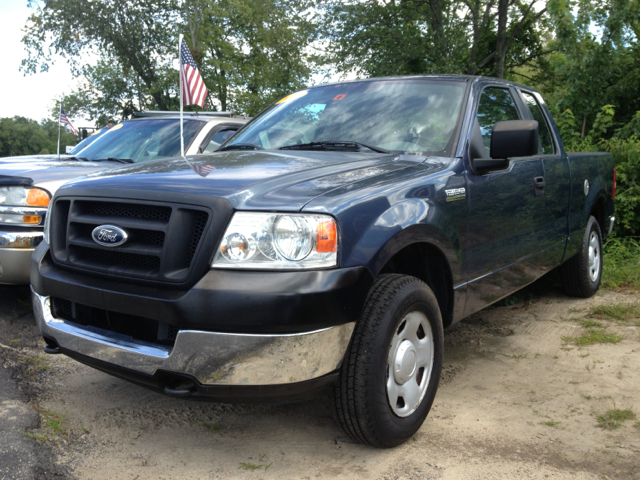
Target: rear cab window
[[546, 140]]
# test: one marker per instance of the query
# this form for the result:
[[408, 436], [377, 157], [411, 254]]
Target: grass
[[551, 423], [593, 336], [590, 324], [620, 311], [254, 466], [54, 426], [213, 427], [621, 267], [614, 418], [516, 356]]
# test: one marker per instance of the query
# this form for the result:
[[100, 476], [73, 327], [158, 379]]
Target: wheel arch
[[437, 265]]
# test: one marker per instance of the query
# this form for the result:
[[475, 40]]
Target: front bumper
[[16, 248], [200, 360]]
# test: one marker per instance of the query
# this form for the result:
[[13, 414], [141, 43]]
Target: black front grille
[[162, 240], [104, 259], [113, 209], [133, 326]]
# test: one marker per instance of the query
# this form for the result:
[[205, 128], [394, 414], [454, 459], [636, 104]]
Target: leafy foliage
[[250, 53], [22, 136], [486, 37]]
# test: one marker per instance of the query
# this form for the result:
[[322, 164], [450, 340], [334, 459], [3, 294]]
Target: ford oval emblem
[[109, 235]]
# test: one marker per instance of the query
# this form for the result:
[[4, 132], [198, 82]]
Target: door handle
[[539, 184]]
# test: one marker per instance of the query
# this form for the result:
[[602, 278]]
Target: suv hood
[[260, 180], [51, 174], [35, 158]]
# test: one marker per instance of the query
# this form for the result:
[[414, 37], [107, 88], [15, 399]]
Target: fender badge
[[586, 188], [455, 194], [109, 235]]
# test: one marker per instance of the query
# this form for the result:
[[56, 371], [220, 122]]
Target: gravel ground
[[516, 401]]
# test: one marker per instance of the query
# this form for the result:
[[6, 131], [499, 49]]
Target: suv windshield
[[142, 140], [409, 115], [84, 143]]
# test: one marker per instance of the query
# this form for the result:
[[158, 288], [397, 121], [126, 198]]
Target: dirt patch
[[516, 401]]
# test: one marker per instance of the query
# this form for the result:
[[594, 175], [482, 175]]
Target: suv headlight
[[278, 241], [15, 197]]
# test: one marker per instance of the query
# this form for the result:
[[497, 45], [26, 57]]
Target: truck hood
[[258, 180], [51, 174]]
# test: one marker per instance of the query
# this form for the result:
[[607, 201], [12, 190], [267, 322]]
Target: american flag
[[64, 120], [194, 91]]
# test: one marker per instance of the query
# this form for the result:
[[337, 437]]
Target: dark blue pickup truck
[[328, 244]]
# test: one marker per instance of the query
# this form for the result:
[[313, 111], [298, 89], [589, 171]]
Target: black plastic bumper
[[223, 300]]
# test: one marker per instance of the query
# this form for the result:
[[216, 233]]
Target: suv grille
[[162, 239]]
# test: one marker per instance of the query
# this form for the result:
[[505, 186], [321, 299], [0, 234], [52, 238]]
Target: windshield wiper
[[240, 146], [111, 159], [328, 143]]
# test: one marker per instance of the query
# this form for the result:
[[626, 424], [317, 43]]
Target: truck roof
[[450, 77]]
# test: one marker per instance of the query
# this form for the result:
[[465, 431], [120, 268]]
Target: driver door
[[504, 211]]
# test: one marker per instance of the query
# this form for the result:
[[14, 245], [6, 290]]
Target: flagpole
[[59, 113], [180, 74]]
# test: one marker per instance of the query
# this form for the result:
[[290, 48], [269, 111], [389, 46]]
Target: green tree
[[249, 52], [392, 37], [22, 136], [597, 60]]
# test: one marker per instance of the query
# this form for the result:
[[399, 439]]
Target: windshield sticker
[[293, 96], [339, 97]]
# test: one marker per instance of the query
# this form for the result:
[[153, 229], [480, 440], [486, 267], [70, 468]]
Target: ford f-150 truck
[[27, 183], [327, 244]]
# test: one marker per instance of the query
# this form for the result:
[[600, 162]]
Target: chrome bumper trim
[[20, 239], [213, 358], [23, 210], [611, 220]]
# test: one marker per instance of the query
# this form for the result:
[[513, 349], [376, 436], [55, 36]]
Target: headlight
[[14, 203], [278, 241]]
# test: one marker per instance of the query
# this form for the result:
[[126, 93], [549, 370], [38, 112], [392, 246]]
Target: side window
[[546, 143], [496, 105], [217, 140]]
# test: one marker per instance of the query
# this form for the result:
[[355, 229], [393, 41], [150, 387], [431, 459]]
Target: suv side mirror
[[511, 138]]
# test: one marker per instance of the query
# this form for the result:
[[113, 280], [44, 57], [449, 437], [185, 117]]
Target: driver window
[[496, 105]]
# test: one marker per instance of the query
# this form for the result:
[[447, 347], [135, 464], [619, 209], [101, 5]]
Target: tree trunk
[[501, 40]]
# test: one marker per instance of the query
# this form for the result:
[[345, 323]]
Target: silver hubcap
[[594, 256], [409, 364]]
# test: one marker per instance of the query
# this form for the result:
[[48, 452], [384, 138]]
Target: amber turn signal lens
[[327, 239], [31, 219], [38, 198]]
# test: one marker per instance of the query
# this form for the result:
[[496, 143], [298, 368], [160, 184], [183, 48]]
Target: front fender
[[415, 220]]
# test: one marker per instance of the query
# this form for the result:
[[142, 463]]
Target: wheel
[[390, 374], [581, 274]]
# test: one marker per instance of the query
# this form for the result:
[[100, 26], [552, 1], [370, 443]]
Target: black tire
[[577, 271], [362, 405]]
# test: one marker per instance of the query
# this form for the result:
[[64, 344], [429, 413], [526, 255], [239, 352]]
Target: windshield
[[409, 115], [142, 140], [84, 143]]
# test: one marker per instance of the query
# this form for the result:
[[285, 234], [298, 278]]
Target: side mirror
[[514, 138], [511, 138]]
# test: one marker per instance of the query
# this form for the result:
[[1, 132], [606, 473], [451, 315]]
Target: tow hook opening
[[179, 386], [51, 347]]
